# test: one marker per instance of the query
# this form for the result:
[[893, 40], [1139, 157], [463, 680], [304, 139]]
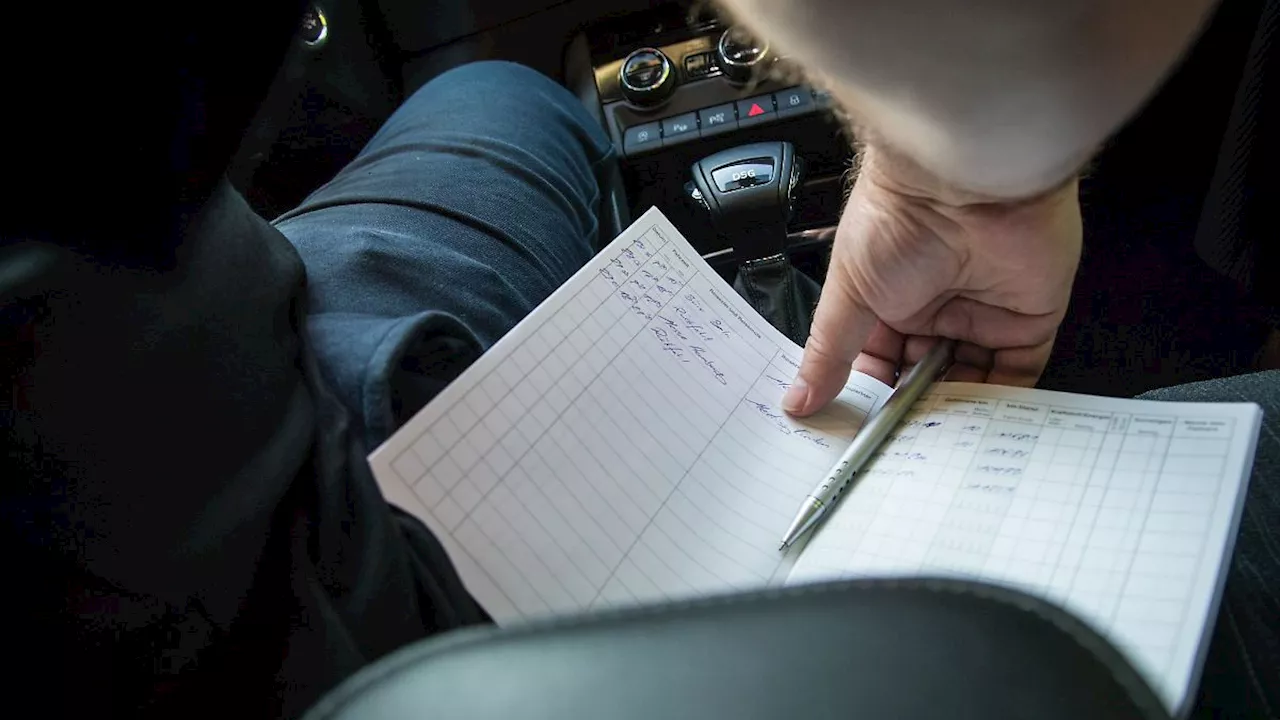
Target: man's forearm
[[1000, 98]]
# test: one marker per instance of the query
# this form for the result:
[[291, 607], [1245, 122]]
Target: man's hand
[[914, 260]]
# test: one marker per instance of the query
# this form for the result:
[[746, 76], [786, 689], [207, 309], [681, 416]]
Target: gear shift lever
[[747, 190]]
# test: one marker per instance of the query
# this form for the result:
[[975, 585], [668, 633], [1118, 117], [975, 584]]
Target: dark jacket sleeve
[[188, 529]]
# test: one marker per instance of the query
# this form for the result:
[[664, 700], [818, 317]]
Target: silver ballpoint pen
[[823, 497]]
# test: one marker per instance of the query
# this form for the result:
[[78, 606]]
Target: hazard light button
[[756, 110]]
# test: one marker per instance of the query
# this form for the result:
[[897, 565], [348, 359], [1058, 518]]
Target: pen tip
[[782, 547]]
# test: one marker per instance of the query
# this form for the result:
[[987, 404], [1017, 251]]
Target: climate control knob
[[742, 55], [647, 77]]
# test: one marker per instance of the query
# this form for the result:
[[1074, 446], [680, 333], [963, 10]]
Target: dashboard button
[[699, 65], [641, 137], [718, 119], [794, 101], [679, 128], [745, 174], [756, 110]]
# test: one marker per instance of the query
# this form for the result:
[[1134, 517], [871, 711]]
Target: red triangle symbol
[[755, 110]]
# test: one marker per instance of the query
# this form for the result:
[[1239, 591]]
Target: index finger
[[841, 325]]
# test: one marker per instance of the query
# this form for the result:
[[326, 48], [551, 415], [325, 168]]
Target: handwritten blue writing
[[771, 416], [964, 444], [719, 325], [886, 472], [778, 381], [693, 300], [649, 276], [626, 296], [807, 434], [988, 488], [1007, 452], [673, 326], [999, 470], [908, 455], [1018, 436], [653, 302], [628, 254], [694, 325], [766, 410], [710, 364], [932, 423], [972, 428], [779, 422], [663, 290], [669, 347]]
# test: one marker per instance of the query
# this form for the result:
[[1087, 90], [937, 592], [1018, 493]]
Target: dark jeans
[[475, 201], [1242, 674]]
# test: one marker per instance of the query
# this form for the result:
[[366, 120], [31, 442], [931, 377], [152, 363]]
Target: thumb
[[841, 325]]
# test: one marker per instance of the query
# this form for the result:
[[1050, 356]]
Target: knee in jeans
[[492, 76]]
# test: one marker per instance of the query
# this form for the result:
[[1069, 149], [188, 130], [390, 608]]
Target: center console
[[672, 86]]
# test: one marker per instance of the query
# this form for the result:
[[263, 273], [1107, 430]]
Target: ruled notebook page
[[622, 444], [1122, 511]]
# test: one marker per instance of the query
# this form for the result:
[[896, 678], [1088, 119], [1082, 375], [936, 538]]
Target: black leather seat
[[866, 649]]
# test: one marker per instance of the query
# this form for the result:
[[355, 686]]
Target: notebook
[[624, 445]]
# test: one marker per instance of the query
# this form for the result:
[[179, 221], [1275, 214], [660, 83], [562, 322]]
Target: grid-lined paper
[[1121, 511], [623, 444]]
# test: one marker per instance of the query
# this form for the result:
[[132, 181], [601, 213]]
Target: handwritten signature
[[891, 472], [701, 352], [1018, 436], [807, 434], [999, 470], [693, 325], [673, 326], [778, 381], [669, 347], [988, 488], [779, 421]]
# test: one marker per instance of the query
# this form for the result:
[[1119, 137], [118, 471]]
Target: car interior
[[697, 110], [673, 83]]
